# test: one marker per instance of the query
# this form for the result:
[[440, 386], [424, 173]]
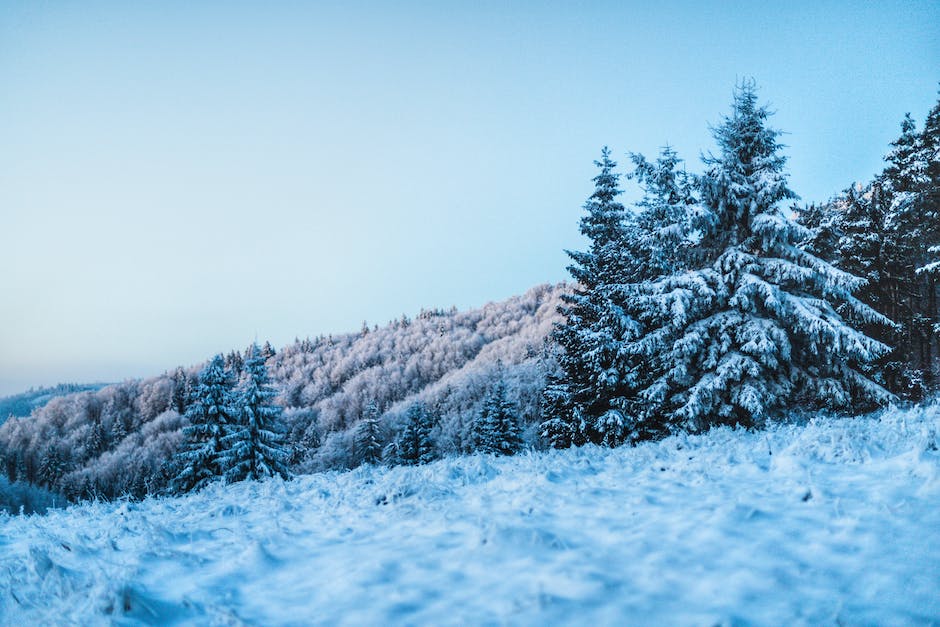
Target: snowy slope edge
[[833, 520]]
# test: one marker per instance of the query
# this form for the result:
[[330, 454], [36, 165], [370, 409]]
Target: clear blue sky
[[178, 178]]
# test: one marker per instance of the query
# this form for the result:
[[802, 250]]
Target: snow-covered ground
[[834, 522]]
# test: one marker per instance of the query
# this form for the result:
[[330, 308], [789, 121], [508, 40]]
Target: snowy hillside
[[116, 440], [833, 522]]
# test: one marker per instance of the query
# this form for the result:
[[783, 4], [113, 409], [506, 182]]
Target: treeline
[[708, 304], [124, 439], [887, 231]]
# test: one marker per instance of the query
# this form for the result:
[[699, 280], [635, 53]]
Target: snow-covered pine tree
[[663, 235], [368, 446], [235, 363], [591, 395], [751, 327], [904, 181], [267, 351], [254, 445], [50, 468], [559, 425], [210, 410], [181, 391], [662, 241], [95, 438], [851, 232], [415, 445], [821, 222], [496, 429], [922, 209]]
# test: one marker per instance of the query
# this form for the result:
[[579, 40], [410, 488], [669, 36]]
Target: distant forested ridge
[[24, 403], [122, 438]]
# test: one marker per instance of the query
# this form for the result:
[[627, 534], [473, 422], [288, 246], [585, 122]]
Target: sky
[[179, 179]]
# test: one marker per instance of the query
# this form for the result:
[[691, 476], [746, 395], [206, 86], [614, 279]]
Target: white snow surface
[[834, 521]]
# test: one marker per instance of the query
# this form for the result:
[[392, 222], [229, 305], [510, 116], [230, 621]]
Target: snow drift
[[831, 521]]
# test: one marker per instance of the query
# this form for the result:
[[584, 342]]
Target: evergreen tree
[[922, 211], [181, 391], [908, 220], [209, 413], [496, 429], [50, 468], [96, 439], [415, 445], [267, 351], [368, 446], [595, 385], [235, 363], [118, 430], [665, 240], [662, 238], [823, 235], [560, 426], [887, 232], [751, 326], [254, 445], [852, 233]]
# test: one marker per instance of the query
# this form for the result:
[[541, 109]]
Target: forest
[[715, 300]]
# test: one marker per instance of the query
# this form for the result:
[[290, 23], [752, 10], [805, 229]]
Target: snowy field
[[834, 522]]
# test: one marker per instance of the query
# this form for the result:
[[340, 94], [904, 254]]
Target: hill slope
[[116, 440], [830, 522]]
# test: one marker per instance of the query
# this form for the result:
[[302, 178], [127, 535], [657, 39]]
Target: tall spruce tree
[[663, 242], [908, 221], [913, 175], [589, 402], [254, 445], [852, 232], [751, 327], [888, 232], [209, 411]]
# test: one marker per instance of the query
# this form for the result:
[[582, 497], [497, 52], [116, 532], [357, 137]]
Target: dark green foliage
[[496, 430], [415, 445], [368, 440], [254, 445], [888, 232], [595, 380], [210, 411]]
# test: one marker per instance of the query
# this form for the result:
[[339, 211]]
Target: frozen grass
[[835, 521]]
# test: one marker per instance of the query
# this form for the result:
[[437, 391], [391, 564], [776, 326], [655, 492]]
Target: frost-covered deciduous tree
[[254, 445], [753, 325], [210, 410]]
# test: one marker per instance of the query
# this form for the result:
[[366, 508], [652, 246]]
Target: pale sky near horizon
[[178, 179]]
